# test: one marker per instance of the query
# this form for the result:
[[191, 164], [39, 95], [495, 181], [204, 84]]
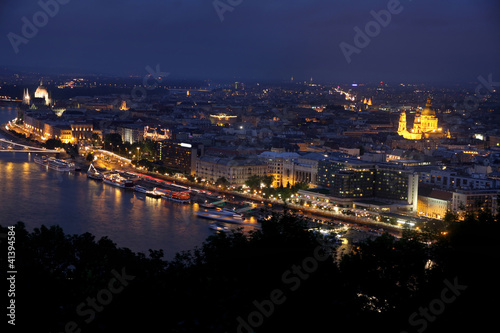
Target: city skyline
[[411, 41], [240, 166]]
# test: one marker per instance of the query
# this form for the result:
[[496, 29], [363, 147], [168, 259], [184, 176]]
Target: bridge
[[7, 146]]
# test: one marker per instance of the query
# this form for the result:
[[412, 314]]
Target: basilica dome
[[428, 111]]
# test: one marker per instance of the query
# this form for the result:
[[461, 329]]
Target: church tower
[[26, 97], [402, 122]]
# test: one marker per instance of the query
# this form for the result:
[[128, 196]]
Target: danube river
[[39, 196]]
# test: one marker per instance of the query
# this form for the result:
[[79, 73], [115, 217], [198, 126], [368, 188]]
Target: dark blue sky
[[428, 40]]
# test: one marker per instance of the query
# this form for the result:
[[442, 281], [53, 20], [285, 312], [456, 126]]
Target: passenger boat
[[149, 193], [208, 206], [92, 173], [219, 227], [153, 194], [140, 189], [180, 197], [60, 165], [229, 212], [130, 176], [177, 199], [217, 216], [41, 159], [118, 181], [54, 163]]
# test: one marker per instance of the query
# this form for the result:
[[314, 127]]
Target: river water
[[39, 196]]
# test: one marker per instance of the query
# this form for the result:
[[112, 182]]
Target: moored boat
[[118, 181], [140, 189], [228, 212], [217, 216], [180, 200], [93, 173], [175, 196], [153, 194], [219, 227], [41, 159], [54, 163], [60, 165], [208, 206]]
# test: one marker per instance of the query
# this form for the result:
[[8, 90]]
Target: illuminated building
[[236, 170], [275, 164], [358, 180], [131, 133], [157, 134], [475, 200], [347, 179], [26, 97], [82, 132], [222, 119], [433, 202], [303, 169], [179, 155], [449, 179], [42, 93], [123, 106], [425, 124]]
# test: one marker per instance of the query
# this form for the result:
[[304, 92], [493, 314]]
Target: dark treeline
[[280, 279]]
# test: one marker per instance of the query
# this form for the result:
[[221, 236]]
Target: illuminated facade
[[356, 179], [475, 200], [82, 132], [236, 170], [425, 124], [433, 202], [41, 92], [26, 97], [222, 119], [180, 156], [157, 134], [124, 106]]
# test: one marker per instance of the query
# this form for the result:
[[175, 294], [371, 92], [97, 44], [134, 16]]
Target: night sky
[[426, 41]]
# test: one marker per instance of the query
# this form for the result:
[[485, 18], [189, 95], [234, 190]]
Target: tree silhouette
[[376, 286]]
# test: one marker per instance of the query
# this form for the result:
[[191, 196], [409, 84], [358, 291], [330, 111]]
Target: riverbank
[[7, 134], [275, 206], [233, 197]]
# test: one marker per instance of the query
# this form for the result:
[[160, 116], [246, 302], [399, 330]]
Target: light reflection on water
[[36, 195]]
